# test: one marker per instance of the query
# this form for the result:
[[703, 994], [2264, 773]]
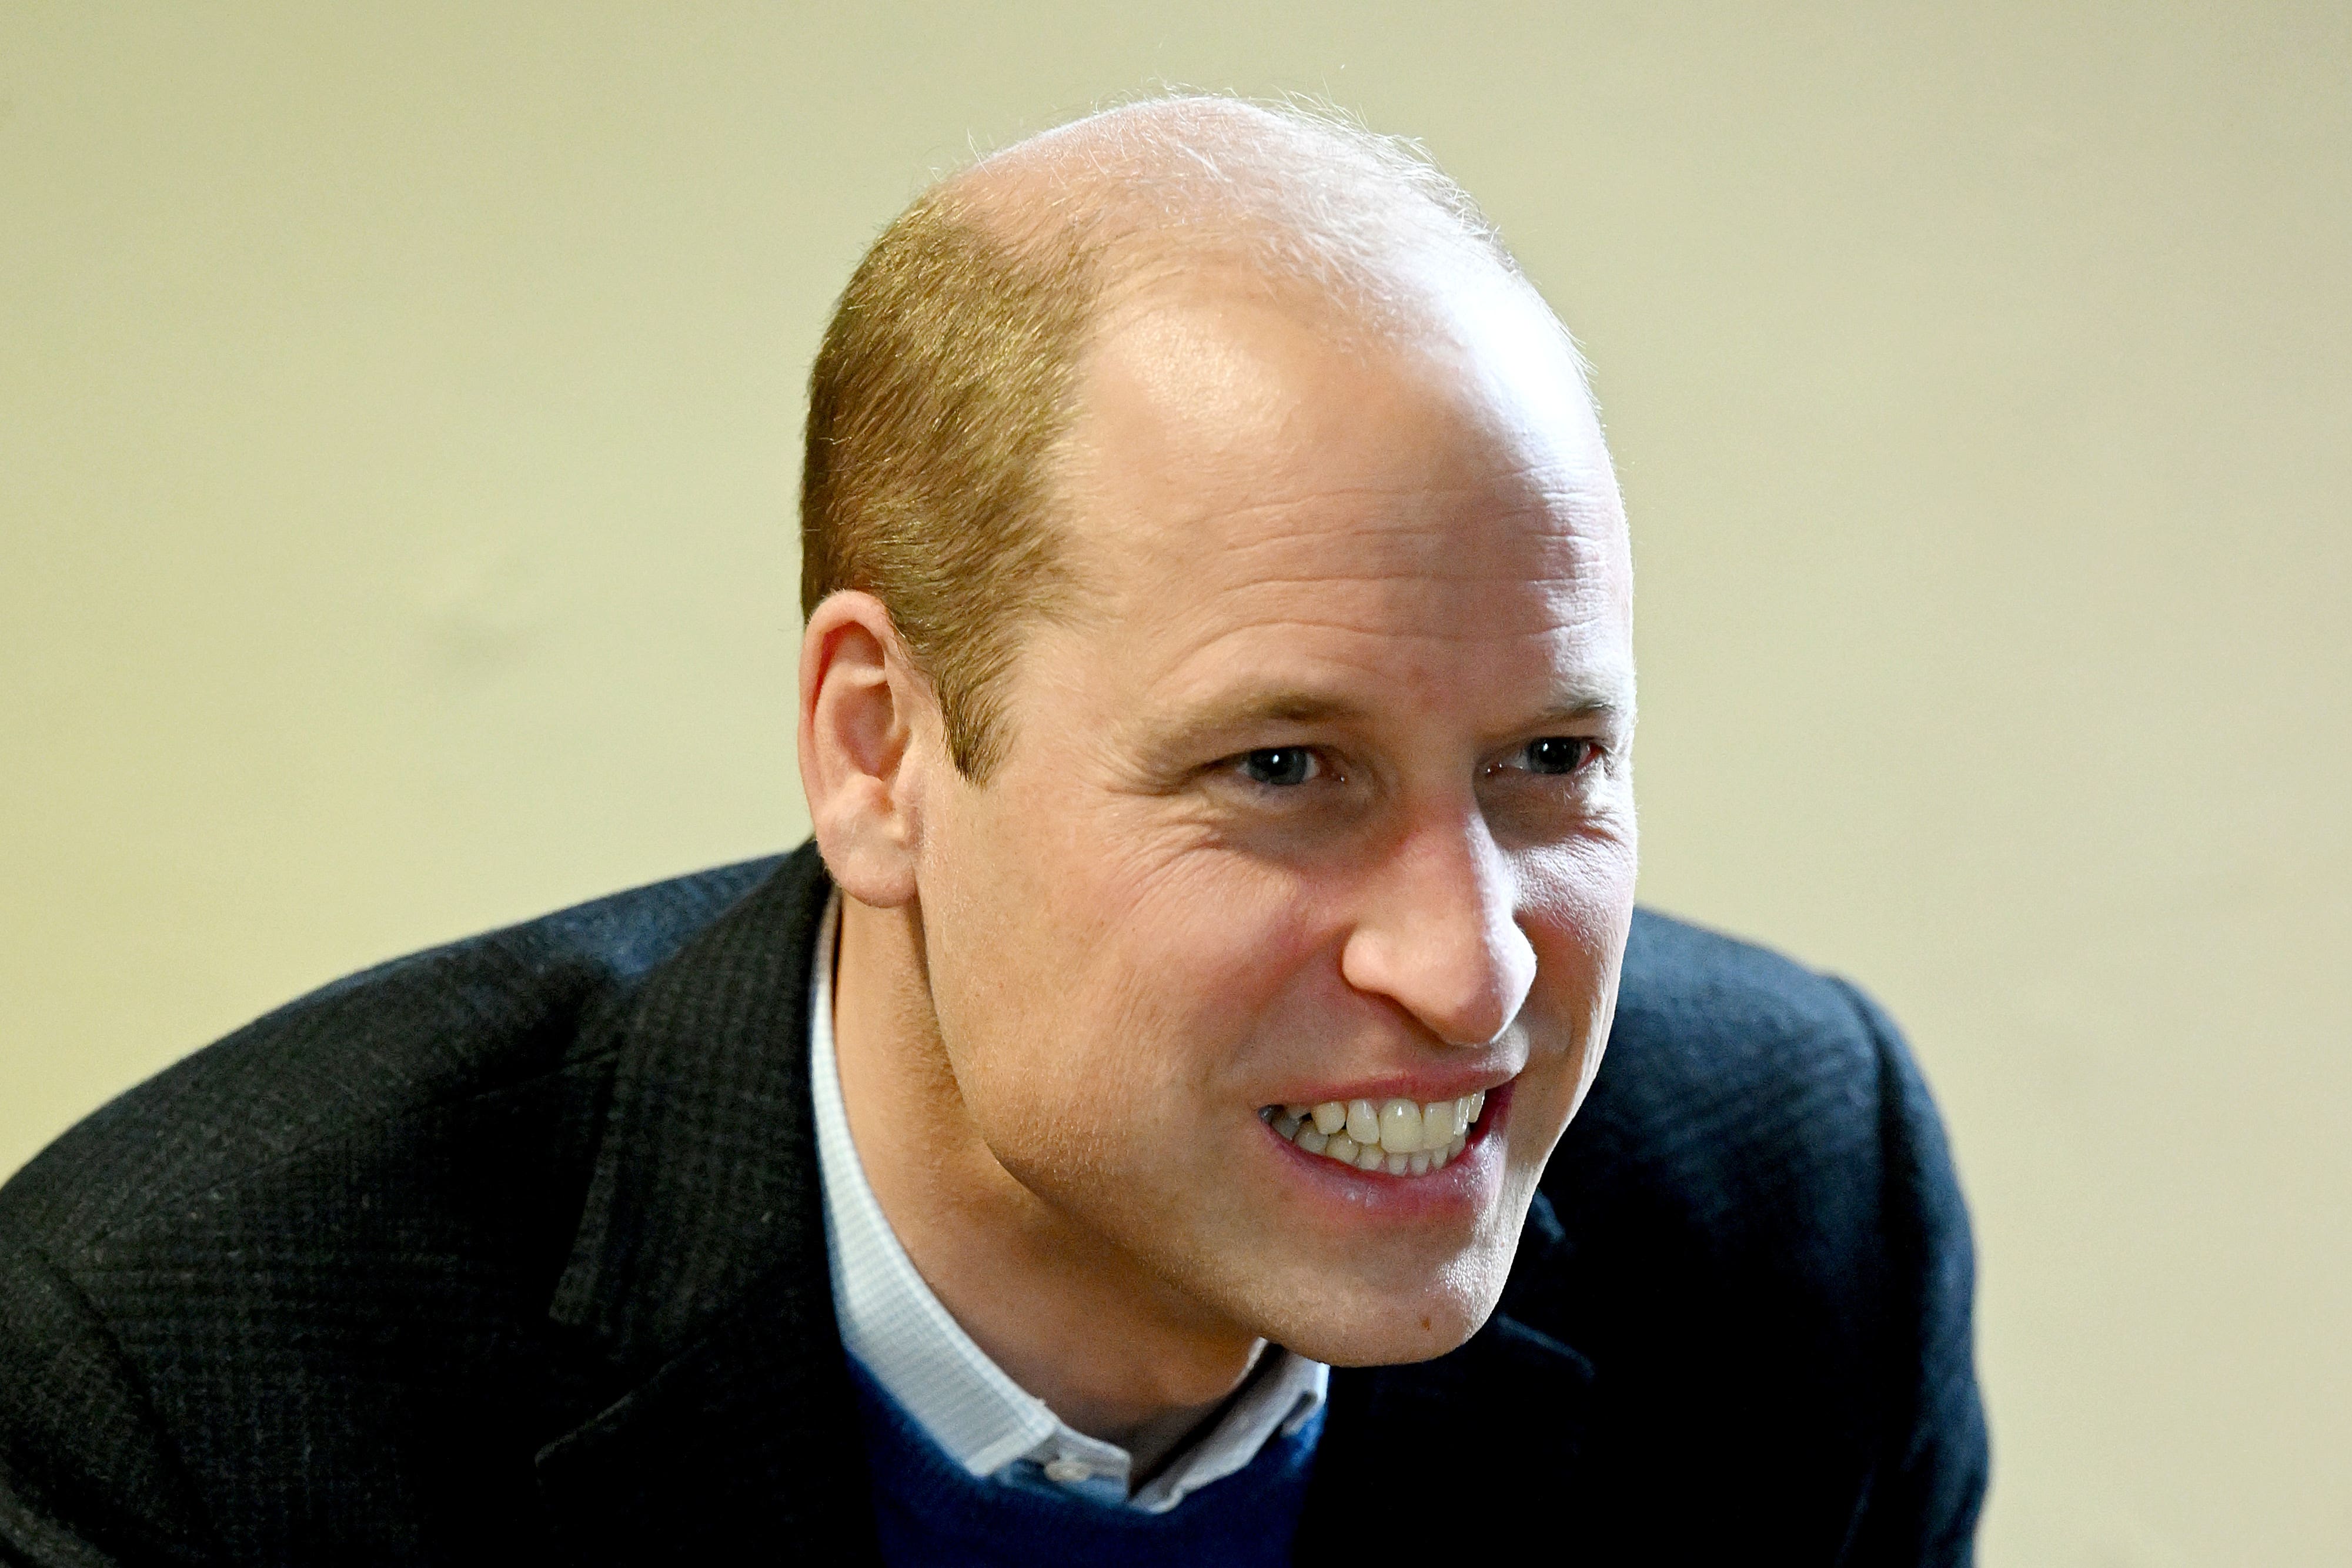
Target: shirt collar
[[897, 1330]]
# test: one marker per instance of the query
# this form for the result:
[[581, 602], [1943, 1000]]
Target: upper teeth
[[1403, 1137]]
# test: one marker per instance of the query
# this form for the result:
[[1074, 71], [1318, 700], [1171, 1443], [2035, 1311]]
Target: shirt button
[[1069, 1472]]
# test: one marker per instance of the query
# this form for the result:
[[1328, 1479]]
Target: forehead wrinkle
[[1309, 517], [1580, 498], [1442, 636], [1436, 571], [1592, 595], [1575, 581], [1515, 574], [1529, 529], [1572, 661]]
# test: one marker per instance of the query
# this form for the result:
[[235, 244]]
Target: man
[[1129, 1132]]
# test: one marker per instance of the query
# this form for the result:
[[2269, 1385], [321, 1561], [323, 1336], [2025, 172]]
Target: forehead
[[1248, 475]]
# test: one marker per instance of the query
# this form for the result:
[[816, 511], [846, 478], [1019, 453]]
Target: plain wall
[[398, 422]]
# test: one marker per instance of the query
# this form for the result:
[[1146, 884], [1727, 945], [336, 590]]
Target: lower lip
[[1404, 1195]]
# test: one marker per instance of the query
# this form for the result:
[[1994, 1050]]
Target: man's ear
[[862, 707]]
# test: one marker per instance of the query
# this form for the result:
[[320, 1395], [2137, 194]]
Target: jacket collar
[[697, 1281], [704, 1182]]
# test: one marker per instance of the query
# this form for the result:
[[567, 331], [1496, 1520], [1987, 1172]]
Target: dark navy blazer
[[512, 1251]]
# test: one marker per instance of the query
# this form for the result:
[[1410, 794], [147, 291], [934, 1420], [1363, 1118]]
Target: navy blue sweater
[[932, 1512]]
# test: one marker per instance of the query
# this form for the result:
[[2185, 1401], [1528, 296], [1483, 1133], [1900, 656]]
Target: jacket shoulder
[[1725, 1053], [1742, 1117], [1757, 1237], [358, 1058]]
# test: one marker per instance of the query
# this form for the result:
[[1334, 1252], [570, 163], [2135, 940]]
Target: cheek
[[1099, 964], [1577, 905], [1577, 909]]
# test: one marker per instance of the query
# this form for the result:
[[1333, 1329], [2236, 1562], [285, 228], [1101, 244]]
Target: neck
[[1071, 1318]]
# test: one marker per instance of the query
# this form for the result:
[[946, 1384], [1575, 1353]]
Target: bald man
[[1132, 1131]]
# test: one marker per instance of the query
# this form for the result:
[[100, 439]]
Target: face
[[1320, 797]]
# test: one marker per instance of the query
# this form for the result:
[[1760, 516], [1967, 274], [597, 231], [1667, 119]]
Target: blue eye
[[1558, 754], [1282, 767]]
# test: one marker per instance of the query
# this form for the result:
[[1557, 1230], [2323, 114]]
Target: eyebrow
[[1219, 715]]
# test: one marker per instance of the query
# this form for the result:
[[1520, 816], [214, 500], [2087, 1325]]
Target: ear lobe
[[858, 696]]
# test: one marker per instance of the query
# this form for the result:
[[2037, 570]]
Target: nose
[[1438, 934]]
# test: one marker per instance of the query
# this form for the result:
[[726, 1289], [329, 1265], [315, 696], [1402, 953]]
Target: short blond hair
[[943, 387]]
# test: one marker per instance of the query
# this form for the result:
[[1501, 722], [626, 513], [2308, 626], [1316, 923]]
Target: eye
[[1280, 767], [1558, 754]]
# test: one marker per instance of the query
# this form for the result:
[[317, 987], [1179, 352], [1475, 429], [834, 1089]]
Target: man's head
[[1219, 669], [946, 382]]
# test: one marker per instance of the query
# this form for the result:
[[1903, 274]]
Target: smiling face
[[1321, 794]]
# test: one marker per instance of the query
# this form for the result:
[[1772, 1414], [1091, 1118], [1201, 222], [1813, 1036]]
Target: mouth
[[1398, 1136]]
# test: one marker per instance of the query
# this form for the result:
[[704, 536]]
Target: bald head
[[948, 376], [1158, 189]]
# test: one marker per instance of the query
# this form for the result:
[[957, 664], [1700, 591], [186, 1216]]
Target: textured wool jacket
[[513, 1251]]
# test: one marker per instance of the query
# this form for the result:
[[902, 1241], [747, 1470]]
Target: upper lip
[[1422, 1087]]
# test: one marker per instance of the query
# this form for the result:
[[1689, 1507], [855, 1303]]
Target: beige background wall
[[396, 419]]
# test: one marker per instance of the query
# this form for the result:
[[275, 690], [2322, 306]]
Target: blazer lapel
[[698, 1284], [744, 1446]]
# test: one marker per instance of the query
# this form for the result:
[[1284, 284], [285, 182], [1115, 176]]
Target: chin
[[1372, 1325]]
